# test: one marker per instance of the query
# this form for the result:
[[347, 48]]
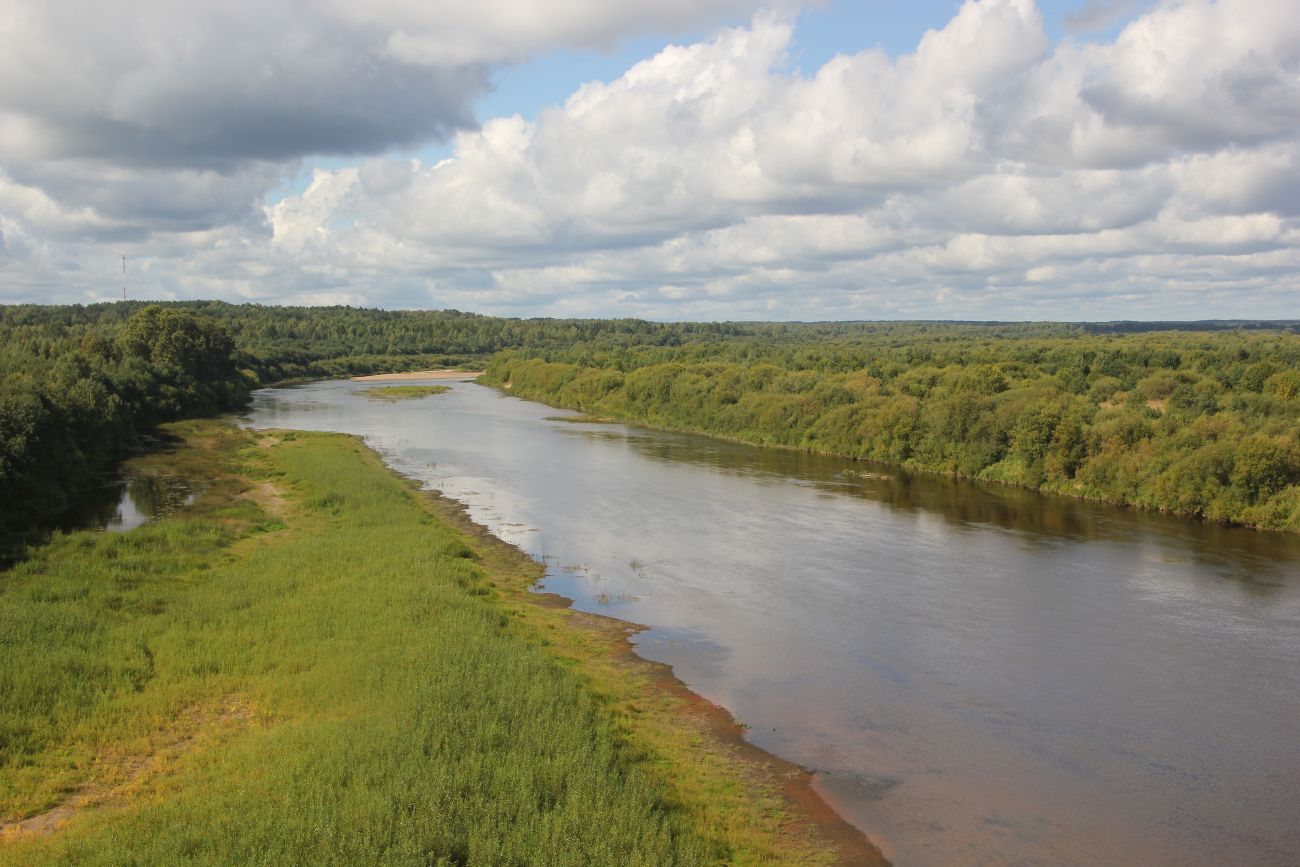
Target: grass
[[310, 666], [404, 392]]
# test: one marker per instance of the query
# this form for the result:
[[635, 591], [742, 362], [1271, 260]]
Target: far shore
[[419, 374]]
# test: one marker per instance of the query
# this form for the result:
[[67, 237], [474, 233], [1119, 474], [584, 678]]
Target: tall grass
[[345, 689]]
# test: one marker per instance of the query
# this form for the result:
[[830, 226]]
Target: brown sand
[[419, 374]]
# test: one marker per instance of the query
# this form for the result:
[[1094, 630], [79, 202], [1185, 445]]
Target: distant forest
[[1194, 418]]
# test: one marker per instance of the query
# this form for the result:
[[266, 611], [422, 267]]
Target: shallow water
[[127, 502], [981, 675]]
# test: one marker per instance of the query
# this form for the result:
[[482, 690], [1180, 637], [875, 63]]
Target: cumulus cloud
[[178, 116], [491, 31], [207, 83], [988, 173], [1188, 77], [702, 135], [1095, 15]]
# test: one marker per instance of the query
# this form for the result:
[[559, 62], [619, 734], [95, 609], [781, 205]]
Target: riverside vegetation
[[310, 667], [80, 385], [1204, 424], [77, 393], [404, 392], [1196, 419]]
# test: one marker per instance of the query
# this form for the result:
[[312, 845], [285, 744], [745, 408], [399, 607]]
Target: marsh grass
[[389, 711], [358, 675], [404, 392]]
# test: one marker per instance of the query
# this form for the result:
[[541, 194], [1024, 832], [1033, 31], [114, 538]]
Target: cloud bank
[[988, 174]]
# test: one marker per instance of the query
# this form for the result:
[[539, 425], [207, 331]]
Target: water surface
[[980, 675], [125, 501]]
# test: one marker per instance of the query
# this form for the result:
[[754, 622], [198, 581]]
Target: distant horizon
[[1224, 322]]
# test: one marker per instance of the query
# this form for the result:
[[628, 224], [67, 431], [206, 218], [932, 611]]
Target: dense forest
[[1158, 415], [77, 392], [1203, 424], [282, 344]]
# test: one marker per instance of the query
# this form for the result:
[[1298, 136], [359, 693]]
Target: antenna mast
[[123, 275]]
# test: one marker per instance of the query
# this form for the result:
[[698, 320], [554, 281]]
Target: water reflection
[[148, 497], [115, 505], [1245, 557], [94, 508], [122, 504]]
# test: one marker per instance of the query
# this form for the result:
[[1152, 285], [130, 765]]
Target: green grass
[[346, 689], [348, 673], [404, 392]]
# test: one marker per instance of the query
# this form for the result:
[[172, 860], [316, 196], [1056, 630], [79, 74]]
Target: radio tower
[[123, 275]]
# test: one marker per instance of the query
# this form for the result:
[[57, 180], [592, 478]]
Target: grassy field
[[404, 392], [313, 666]]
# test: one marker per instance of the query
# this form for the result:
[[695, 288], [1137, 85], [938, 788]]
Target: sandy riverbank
[[419, 374]]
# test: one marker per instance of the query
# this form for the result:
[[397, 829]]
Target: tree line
[[80, 384], [76, 392], [1197, 420], [1203, 424]]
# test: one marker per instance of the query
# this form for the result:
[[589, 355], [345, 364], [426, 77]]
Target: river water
[[980, 675]]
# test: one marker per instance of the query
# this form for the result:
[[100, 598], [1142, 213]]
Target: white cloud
[[492, 31], [1241, 181], [302, 223], [1097, 15], [988, 173], [181, 116], [1188, 77]]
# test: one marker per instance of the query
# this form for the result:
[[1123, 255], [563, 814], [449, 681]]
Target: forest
[[77, 392], [1197, 419], [1203, 424]]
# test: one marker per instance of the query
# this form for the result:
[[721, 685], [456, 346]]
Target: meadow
[[312, 666]]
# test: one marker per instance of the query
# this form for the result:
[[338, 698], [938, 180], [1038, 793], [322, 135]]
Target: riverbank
[[1230, 459], [706, 747], [316, 663]]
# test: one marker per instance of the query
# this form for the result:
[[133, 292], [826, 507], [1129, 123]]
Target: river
[[980, 675]]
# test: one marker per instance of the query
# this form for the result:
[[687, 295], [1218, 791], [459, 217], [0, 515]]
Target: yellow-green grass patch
[[404, 392]]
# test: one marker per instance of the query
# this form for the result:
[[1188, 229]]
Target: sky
[[683, 159]]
